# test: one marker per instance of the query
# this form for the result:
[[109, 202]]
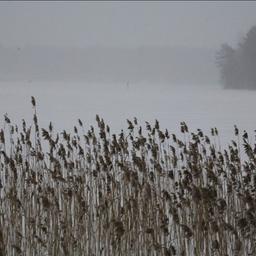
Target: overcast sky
[[132, 23]]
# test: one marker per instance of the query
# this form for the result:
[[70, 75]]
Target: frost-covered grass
[[142, 191]]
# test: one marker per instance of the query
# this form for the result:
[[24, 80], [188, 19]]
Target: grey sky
[[125, 23]]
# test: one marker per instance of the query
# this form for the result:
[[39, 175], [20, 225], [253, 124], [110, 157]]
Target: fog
[[80, 24], [109, 64], [123, 42], [154, 60]]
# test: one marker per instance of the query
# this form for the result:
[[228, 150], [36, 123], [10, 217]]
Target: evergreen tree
[[238, 66]]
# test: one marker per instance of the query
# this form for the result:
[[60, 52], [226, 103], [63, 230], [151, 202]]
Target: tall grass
[[140, 192]]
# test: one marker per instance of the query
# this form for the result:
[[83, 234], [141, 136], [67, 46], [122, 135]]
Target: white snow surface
[[63, 103]]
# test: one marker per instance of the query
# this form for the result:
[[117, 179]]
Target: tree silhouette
[[238, 66]]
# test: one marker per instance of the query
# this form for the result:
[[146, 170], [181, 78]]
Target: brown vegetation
[[144, 192]]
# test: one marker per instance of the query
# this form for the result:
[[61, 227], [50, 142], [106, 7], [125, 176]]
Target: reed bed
[[141, 192]]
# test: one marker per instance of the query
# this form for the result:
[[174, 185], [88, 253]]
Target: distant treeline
[[238, 66], [109, 64]]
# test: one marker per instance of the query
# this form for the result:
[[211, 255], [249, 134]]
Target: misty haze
[[107, 105]]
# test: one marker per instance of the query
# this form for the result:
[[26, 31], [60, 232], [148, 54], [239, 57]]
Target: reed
[[141, 192]]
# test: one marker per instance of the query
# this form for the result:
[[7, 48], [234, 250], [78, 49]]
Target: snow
[[63, 103]]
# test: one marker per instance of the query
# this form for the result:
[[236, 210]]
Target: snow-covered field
[[63, 103]]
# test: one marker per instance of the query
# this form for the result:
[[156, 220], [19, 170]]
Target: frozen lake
[[63, 103]]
